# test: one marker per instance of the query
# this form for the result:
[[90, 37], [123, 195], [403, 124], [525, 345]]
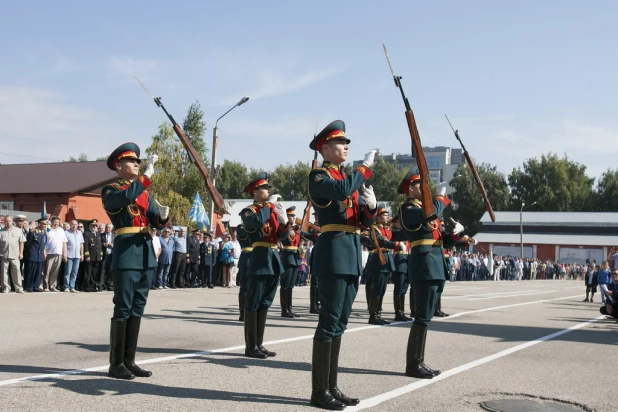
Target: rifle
[[304, 226], [195, 159], [477, 178], [374, 240], [417, 148]]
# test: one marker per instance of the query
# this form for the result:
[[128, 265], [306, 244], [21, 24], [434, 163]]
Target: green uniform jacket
[[245, 243], [128, 204], [426, 258], [373, 262], [401, 259], [262, 225], [291, 258], [336, 202]]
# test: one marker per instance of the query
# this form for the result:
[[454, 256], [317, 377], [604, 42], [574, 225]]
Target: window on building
[[7, 205]]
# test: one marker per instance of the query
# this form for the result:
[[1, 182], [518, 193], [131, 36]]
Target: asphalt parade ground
[[534, 339]]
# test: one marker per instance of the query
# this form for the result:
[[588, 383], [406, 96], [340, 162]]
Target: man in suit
[[193, 250], [93, 256], [107, 240]]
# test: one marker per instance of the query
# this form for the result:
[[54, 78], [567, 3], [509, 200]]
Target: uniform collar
[[256, 203], [415, 201], [123, 182], [331, 166]]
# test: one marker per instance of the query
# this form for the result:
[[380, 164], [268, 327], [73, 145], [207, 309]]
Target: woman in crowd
[[226, 258]]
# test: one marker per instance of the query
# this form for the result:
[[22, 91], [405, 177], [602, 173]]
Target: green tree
[[290, 181], [81, 158], [468, 206], [232, 179], [167, 181], [607, 191], [192, 180], [556, 184]]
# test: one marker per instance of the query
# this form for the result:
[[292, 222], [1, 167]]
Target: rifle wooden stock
[[374, 239], [195, 159], [427, 201], [309, 225], [490, 210]]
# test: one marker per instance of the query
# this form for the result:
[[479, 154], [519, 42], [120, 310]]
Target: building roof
[[553, 218], [64, 177], [547, 239]]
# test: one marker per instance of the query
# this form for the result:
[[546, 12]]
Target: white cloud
[[40, 123]]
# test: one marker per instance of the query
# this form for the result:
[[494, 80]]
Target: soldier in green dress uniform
[[241, 277], [131, 209], [400, 275], [93, 257], [267, 223], [427, 267], [312, 236], [380, 272], [291, 262], [337, 255]]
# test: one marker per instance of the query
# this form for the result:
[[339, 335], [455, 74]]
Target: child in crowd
[[302, 269]]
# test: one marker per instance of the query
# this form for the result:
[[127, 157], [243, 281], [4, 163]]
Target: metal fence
[[13, 213]]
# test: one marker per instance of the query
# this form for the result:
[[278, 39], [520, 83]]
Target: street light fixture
[[215, 143], [521, 227]]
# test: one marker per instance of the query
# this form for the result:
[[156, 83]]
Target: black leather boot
[[133, 325], [414, 353], [290, 311], [397, 306], [402, 309], [313, 300], [251, 349], [373, 312], [320, 369], [241, 307], [412, 306], [332, 376], [283, 302], [368, 293], [379, 314], [118, 333], [434, 372], [261, 326]]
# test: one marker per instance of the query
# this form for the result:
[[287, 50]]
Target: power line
[[31, 157]]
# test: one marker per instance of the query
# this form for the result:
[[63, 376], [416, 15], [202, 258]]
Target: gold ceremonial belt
[[265, 244], [131, 230], [401, 252], [246, 249], [426, 242], [383, 250], [341, 228], [290, 247]]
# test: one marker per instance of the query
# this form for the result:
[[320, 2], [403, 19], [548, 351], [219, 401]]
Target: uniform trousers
[[337, 294], [241, 280], [289, 277], [33, 276], [192, 274], [206, 274], [261, 290], [400, 280], [131, 289], [379, 282], [426, 297]]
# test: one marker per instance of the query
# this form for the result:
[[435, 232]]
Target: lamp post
[[213, 166], [521, 228]]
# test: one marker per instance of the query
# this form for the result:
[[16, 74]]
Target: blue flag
[[44, 211], [198, 214]]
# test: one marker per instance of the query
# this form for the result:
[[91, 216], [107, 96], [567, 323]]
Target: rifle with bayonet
[[304, 226], [193, 156], [477, 178], [417, 149]]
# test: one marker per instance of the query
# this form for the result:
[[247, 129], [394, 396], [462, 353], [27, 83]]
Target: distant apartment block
[[442, 162]]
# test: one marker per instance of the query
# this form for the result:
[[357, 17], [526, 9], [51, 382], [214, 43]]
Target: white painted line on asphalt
[[376, 400], [510, 296], [486, 294], [240, 347]]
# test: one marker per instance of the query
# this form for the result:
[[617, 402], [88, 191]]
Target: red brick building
[[568, 237], [71, 190]]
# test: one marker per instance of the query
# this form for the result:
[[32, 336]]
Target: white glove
[[458, 227], [370, 157], [164, 211], [282, 216], [369, 197], [150, 168], [402, 246], [442, 188], [273, 198]]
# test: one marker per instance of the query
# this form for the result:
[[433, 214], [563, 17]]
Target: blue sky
[[516, 78]]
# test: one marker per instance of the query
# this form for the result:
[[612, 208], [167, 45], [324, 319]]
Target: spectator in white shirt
[[56, 250], [12, 241]]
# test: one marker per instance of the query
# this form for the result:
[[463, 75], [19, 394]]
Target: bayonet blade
[[388, 59], [449, 122], [315, 131], [142, 84]]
